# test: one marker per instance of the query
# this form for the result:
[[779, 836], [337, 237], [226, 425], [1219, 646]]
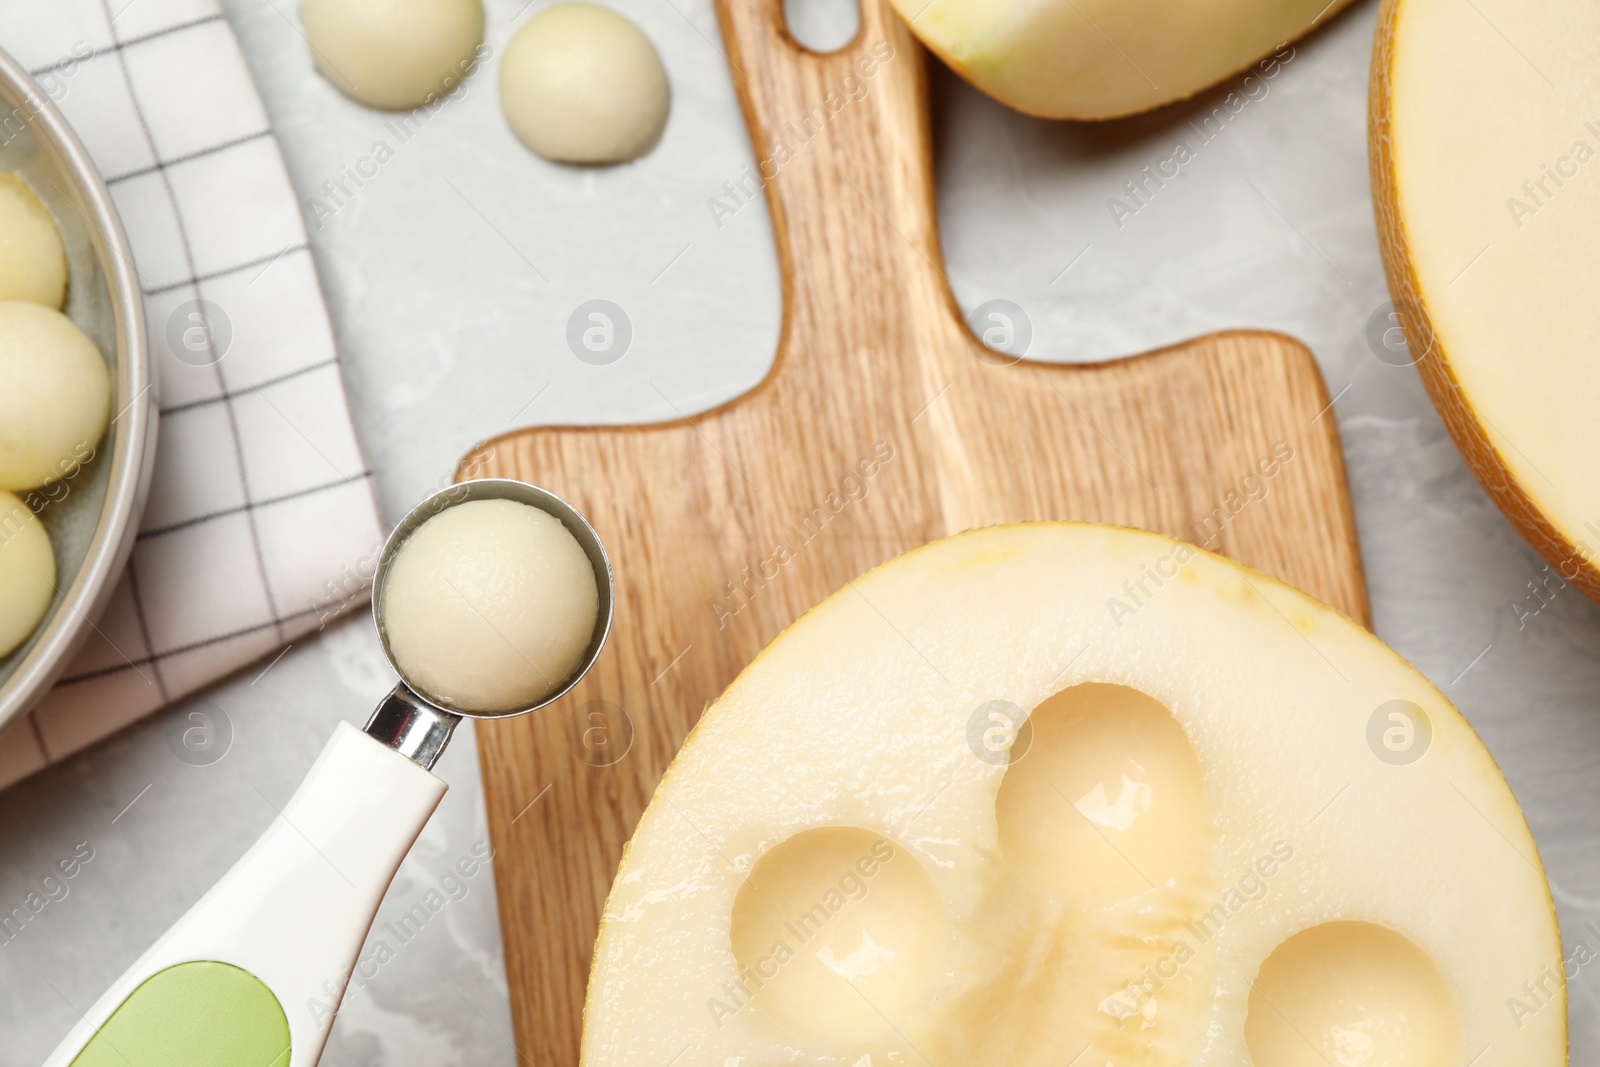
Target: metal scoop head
[[419, 727]]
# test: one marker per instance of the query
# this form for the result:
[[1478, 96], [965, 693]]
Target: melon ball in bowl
[[33, 262], [55, 394], [489, 606], [395, 54], [42, 366], [27, 572]]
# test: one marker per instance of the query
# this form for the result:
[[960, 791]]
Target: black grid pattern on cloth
[[194, 284], [217, 639], [211, 276], [119, 43]]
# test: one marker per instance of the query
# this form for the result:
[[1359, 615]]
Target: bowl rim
[[133, 427]]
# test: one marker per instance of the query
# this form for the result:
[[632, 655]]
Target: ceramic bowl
[[93, 515]]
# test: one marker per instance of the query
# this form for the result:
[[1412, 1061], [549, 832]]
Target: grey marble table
[[451, 275]]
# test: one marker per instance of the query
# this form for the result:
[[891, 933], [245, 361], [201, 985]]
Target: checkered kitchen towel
[[261, 506]]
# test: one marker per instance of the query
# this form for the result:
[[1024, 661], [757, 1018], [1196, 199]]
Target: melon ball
[[489, 606], [27, 572], [393, 54], [580, 83], [55, 395], [33, 263]]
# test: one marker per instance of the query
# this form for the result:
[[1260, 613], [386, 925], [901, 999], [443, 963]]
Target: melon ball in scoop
[[489, 606]]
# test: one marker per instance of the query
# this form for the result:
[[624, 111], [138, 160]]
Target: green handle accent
[[202, 1014]]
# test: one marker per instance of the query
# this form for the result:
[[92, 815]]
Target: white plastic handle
[[296, 908]]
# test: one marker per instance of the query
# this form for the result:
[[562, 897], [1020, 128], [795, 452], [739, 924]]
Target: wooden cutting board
[[883, 424]]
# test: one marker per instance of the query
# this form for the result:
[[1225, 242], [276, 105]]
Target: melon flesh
[[1485, 146], [1100, 59], [1053, 790]]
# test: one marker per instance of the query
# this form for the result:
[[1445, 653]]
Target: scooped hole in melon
[[839, 933], [1351, 992], [1108, 803]]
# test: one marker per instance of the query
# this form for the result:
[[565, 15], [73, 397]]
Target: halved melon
[[1101, 59], [1069, 794], [1485, 153]]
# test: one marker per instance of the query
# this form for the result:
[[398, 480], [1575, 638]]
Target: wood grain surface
[[883, 424]]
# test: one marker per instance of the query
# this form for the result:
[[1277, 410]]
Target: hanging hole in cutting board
[[822, 26]]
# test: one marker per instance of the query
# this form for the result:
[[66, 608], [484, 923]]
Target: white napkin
[[261, 522]]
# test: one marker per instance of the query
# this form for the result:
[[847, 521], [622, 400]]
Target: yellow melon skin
[[1102, 59], [1502, 323]]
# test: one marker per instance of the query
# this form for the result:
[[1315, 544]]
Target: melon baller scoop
[[252, 975]]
